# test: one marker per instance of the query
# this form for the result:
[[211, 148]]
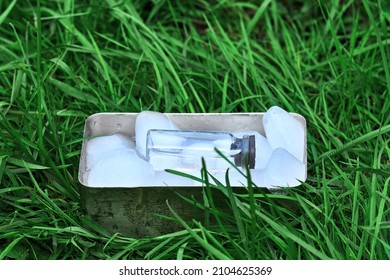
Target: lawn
[[61, 61]]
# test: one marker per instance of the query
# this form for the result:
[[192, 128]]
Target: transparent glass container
[[183, 150]]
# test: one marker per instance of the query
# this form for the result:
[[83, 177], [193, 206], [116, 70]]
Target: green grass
[[61, 61]]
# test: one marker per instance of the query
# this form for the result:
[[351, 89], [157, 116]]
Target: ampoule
[[183, 149]]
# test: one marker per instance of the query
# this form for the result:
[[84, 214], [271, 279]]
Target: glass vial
[[183, 149]]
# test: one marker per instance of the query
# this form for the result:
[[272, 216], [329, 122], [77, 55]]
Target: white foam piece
[[121, 168], [283, 169], [163, 178], [147, 120], [98, 146], [284, 131], [263, 148]]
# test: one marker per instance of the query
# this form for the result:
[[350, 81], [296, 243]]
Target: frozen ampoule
[[183, 149]]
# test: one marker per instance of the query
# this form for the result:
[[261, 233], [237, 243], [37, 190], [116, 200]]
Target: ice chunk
[[147, 120], [121, 168], [283, 169], [198, 174], [263, 149], [98, 146], [257, 177], [235, 178], [284, 131], [176, 180], [163, 178]]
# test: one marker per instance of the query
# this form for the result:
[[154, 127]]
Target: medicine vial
[[183, 150]]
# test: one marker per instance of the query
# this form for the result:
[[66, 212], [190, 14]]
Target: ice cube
[[163, 178], [263, 149], [284, 131], [257, 177], [283, 169], [98, 146], [147, 120], [198, 174], [235, 178], [121, 168]]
